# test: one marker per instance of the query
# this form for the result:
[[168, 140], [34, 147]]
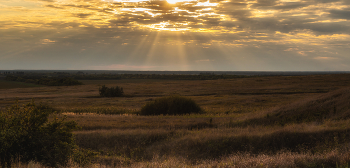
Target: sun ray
[[151, 52], [141, 47]]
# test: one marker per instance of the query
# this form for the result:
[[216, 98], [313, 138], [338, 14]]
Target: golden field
[[255, 121]]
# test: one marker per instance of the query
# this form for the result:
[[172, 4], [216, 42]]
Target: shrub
[[111, 92], [172, 105], [26, 134]]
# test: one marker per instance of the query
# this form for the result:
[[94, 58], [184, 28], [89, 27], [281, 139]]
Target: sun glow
[[177, 1]]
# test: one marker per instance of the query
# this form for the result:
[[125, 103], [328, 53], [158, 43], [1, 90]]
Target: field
[[11, 84], [255, 121]]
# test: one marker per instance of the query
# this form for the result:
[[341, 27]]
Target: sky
[[172, 35]]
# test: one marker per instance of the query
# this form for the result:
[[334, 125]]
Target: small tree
[[26, 134], [111, 92]]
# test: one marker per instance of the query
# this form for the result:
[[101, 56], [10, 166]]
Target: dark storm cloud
[[82, 15], [290, 6], [92, 7], [275, 4], [326, 1], [328, 28], [48, 0], [236, 13], [62, 25], [53, 6], [78, 6], [340, 14], [264, 3], [283, 22], [287, 26], [211, 22], [192, 8], [212, 1]]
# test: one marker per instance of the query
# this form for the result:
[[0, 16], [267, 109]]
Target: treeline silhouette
[[154, 76], [67, 79], [49, 81]]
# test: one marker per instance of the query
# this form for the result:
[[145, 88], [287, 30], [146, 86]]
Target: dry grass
[[239, 95], [335, 158], [214, 143], [333, 105], [12, 84], [298, 121], [246, 160]]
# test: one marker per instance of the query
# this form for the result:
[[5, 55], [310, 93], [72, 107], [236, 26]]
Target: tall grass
[[286, 159], [144, 144], [334, 159]]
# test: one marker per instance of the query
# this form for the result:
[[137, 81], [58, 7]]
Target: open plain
[[252, 121]]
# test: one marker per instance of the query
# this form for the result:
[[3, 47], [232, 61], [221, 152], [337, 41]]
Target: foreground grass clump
[[26, 135], [172, 105]]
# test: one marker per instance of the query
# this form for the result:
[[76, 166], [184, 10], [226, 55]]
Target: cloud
[[47, 41], [148, 34], [340, 14], [53, 6], [82, 15]]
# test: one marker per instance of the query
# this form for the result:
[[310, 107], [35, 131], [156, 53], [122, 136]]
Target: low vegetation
[[111, 92], [171, 105], [280, 121], [26, 135]]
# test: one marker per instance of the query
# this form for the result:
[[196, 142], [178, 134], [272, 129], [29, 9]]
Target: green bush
[[172, 105], [111, 92], [26, 134]]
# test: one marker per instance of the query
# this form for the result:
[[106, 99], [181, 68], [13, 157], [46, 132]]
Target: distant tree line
[[84, 76], [154, 76], [9, 72], [49, 81]]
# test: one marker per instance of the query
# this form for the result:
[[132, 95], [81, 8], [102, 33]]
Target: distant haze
[[175, 35], [248, 73]]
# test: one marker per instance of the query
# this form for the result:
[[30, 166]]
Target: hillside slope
[[331, 106]]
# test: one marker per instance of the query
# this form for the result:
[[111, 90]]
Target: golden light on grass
[[261, 112]]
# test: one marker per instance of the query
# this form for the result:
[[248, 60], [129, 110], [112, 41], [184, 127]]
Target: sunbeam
[[186, 34]]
